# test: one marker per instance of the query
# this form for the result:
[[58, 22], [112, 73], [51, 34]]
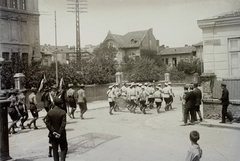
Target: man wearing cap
[[198, 101], [225, 103], [142, 98], [33, 108], [166, 96], [71, 101], [158, 98], [56, 124], [171, 95], [133, 98], [81, 100]]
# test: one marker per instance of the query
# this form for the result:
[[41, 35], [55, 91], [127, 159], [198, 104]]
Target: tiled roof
[[129, 40], [178, 50]]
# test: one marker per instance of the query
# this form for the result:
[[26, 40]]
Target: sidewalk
[[215, 123]]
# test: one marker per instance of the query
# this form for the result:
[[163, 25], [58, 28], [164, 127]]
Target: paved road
[[127, 137]]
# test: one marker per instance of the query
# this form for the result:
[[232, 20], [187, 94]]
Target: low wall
[[93, 93], [213, 109]]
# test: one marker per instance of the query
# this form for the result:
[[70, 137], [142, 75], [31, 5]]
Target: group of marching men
[[140, 95], [57, 103]]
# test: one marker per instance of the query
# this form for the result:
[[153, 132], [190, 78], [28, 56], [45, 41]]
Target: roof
[[129, 40], [178, 50]]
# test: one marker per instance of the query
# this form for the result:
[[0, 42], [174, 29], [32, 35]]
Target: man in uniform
[[166, 96], [33, 108], [81, 100], [225, 103], [56, 123]]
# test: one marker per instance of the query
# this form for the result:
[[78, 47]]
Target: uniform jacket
[[198, 96], [225, 97], [56, 121], [190, 99]]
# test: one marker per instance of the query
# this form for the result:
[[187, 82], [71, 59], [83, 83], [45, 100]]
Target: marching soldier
[[143, 98], [111, 97], [158, 98], [71, 101]]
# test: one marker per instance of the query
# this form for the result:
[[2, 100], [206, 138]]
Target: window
[[234, 54], [13, 3], [5, 55], [163, 60], [23, 4], [67, 58], [166, 61], [174, 61], [3, 3], [25, 58], [15, 58]]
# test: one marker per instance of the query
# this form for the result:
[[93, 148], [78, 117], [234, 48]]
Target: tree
[[146, 69], [190, 67]]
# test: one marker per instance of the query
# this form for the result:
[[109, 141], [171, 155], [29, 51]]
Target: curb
[[227, 126]]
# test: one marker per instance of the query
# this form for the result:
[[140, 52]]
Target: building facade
[[171, 56], [221, 44], [132, 43], [19, 26]]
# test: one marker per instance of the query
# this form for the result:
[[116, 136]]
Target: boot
[[50, 151], [63, 155]]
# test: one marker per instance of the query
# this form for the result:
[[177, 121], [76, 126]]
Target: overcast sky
[[174, 22]]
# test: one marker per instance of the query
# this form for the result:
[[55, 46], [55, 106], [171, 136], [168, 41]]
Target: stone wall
[[212, 108]]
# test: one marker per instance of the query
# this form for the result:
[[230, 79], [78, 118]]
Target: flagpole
[[56, 48]]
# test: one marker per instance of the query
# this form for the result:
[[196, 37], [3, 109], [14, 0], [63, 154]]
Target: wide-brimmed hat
[[70, 85], [13, 91], [54, 86], [33, 89], [166, 84], [22, 90], [110, 87]]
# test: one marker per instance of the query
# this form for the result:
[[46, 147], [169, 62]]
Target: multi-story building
[[221, 44], [171, 56], [65, 54], [132, 43], [19, 26]]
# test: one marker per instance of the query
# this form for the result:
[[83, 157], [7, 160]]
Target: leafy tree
[[190, 67], [146, 69]]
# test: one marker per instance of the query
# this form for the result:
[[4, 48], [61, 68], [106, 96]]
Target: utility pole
[[56, 49], [76, 7]]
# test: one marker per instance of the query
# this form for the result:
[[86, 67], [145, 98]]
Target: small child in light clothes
[[195, 152]]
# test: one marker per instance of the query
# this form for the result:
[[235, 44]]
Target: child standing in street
[[195, 152]]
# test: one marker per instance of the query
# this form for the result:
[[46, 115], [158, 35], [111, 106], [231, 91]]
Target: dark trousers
[[83, 107], [186, 114], [225, 113], [62, 142]]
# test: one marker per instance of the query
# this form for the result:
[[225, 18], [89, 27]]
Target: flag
[[61, 84], [43, 80]]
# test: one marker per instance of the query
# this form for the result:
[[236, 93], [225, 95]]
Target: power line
[[77, 7]]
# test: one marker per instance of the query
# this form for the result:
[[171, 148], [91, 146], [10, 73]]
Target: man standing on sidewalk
[[198, 101], [225, 103], [82, 101], [56, 123]]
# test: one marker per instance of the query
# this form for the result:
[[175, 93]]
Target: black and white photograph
[[119, 80]]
